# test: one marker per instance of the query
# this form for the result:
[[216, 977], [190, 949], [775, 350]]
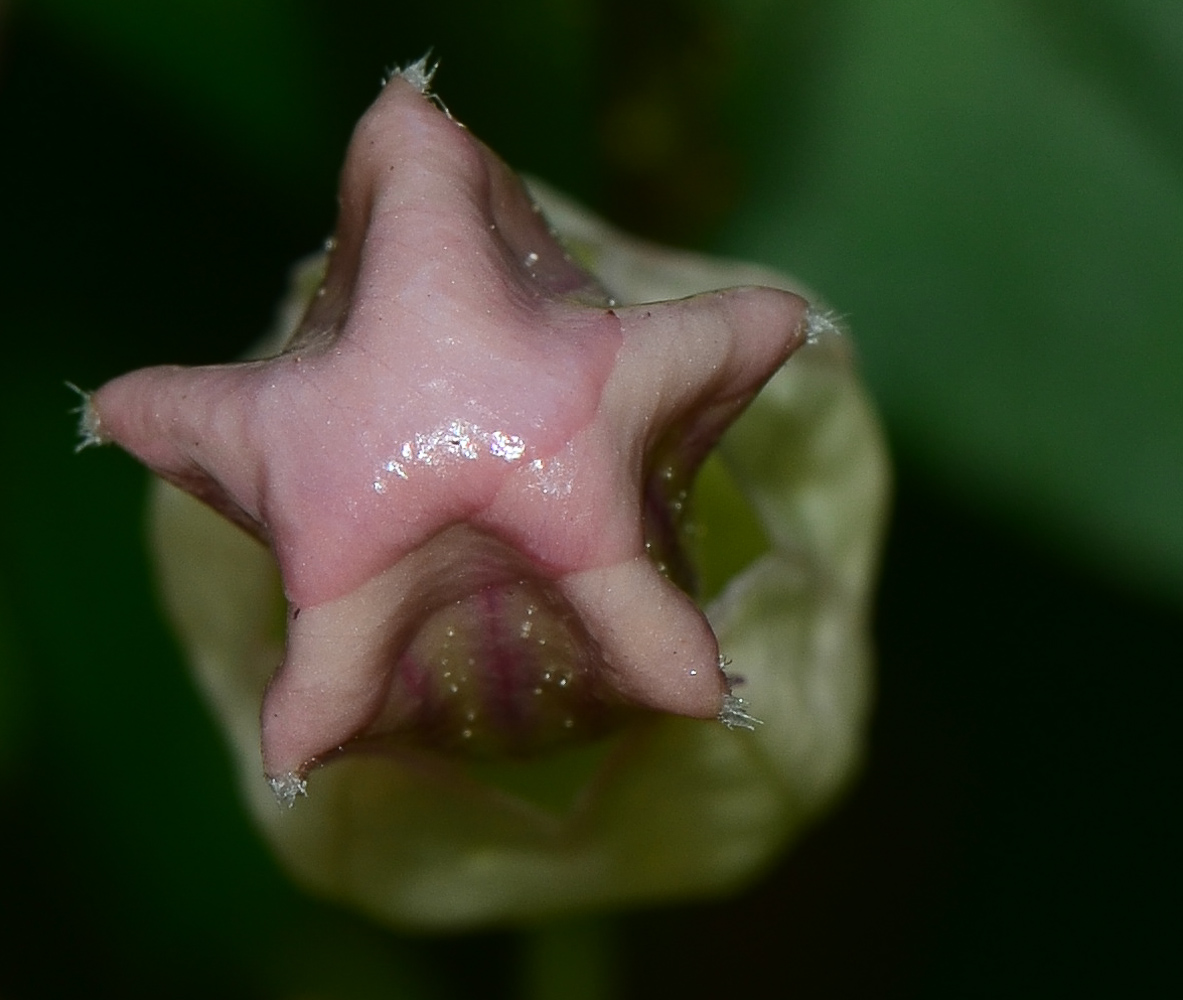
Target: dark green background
[[990, 191]]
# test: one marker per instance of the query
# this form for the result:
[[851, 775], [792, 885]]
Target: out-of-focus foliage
[[993, 192], [249, 73]]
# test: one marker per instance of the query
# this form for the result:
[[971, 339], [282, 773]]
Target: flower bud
[[530, 573]]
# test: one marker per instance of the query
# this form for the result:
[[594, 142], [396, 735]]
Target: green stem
[[572, 959]]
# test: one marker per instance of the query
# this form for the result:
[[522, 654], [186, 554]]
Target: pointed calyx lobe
[[468, 462]]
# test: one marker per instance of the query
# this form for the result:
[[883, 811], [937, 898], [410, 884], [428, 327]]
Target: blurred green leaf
[[992, 203], [249, 72]]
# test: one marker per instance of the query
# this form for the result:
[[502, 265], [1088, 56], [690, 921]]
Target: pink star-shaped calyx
[[464, 462]]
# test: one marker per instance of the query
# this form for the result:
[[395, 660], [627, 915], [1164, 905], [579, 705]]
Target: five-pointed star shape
[[462, 407]]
